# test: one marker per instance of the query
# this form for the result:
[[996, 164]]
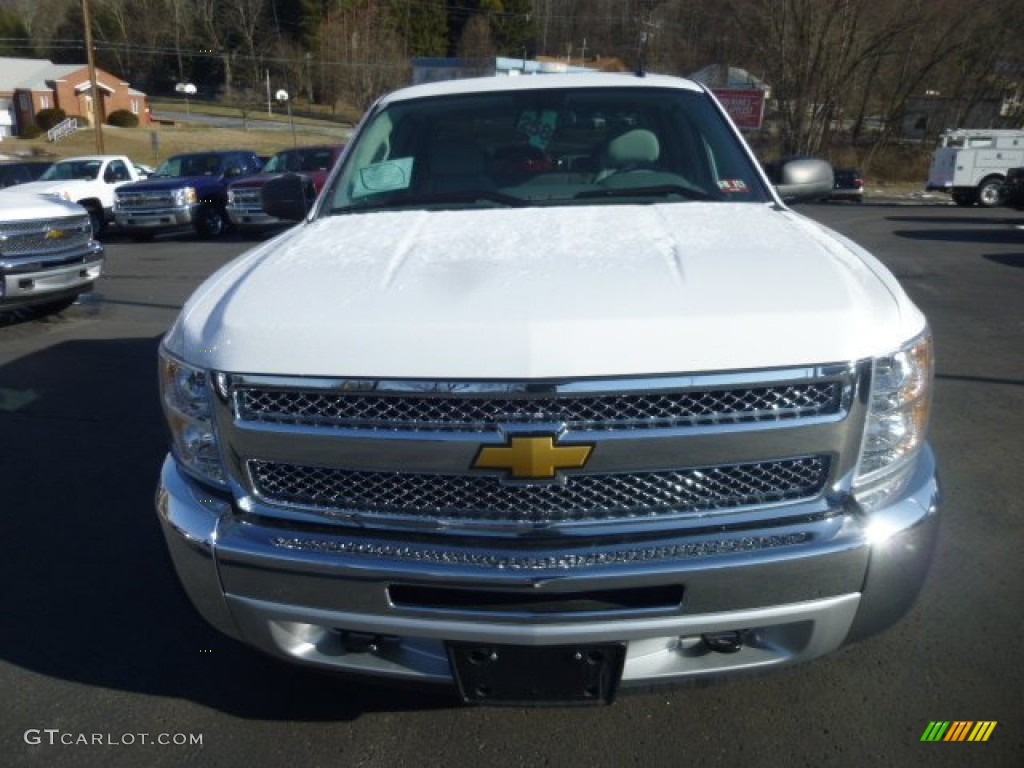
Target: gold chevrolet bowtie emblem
[[55, 234], [532, 458]]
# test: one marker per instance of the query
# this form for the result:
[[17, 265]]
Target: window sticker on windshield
[[538, 128], [383, 177], [732, 185]]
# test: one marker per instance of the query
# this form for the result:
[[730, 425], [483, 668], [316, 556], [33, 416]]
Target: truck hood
[[171, 182], [55, 188], [257, 180], [318, 178], [16, 207], [546, 293]]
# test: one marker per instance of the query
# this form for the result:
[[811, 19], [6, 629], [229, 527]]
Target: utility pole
[[97, 100]]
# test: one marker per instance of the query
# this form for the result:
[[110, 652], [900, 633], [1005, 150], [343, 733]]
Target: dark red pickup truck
[[244, 207]]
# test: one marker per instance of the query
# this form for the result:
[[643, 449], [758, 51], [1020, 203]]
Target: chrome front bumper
[[156, 219], [327, 596], [245, 216], [38, 286]]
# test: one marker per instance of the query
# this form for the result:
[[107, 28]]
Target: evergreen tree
[[423, 27], [14, 37]]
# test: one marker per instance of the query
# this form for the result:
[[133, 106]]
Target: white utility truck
[[970, 164]]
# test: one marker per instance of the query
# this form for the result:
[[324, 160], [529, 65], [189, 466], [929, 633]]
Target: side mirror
[[289, 197], [801, 178]]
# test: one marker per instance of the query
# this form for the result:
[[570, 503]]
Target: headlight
[[897, 420], [187, 398], [185, 196]]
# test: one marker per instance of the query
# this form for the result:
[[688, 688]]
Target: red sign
[[745, 107]]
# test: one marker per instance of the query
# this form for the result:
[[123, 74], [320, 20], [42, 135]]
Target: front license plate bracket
[[537, 675]]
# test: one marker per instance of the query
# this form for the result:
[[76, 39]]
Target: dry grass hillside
[[263, 137]]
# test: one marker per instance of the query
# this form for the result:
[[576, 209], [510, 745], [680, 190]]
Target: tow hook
[[361, 642], [723, 642]]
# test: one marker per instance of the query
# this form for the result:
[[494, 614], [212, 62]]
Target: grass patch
[[171, 139]]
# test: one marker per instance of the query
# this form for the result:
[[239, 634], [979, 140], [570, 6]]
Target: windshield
[[67, 170], [571, 146], [189, 165]]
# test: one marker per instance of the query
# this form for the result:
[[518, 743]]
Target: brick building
[[29, 85]]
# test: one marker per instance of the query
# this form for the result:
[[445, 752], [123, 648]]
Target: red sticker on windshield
[[732, 185]]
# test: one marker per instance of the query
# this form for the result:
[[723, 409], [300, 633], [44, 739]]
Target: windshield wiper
[[435, 198], [657, 190]]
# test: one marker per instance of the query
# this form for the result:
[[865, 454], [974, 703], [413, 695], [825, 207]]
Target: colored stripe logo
[[959, 730]]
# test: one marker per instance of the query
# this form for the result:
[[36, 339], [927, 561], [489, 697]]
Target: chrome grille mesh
[[246, 196], [478, 413], [582, 498], [44, 236], [144, 200]]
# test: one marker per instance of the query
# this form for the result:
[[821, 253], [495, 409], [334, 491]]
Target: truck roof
[[539, 82], [80, 158]]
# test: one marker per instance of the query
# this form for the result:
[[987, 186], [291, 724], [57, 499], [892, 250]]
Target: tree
[[246, 23], [213, 36], [356, 53], [513, 27], [139, 52], [422, 26], [14, 36], [477, 41]]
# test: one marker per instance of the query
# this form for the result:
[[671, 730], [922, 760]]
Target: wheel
[[989, 193], [210, 222], [964, 199], [96, 220]]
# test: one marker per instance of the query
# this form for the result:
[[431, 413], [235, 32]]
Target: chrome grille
[[246, 196], [581, 498], [142, 200], [479, 413], [44, 236]]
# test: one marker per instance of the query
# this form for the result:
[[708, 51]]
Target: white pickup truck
[[89, 180], [550, 393], [48, 255]]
